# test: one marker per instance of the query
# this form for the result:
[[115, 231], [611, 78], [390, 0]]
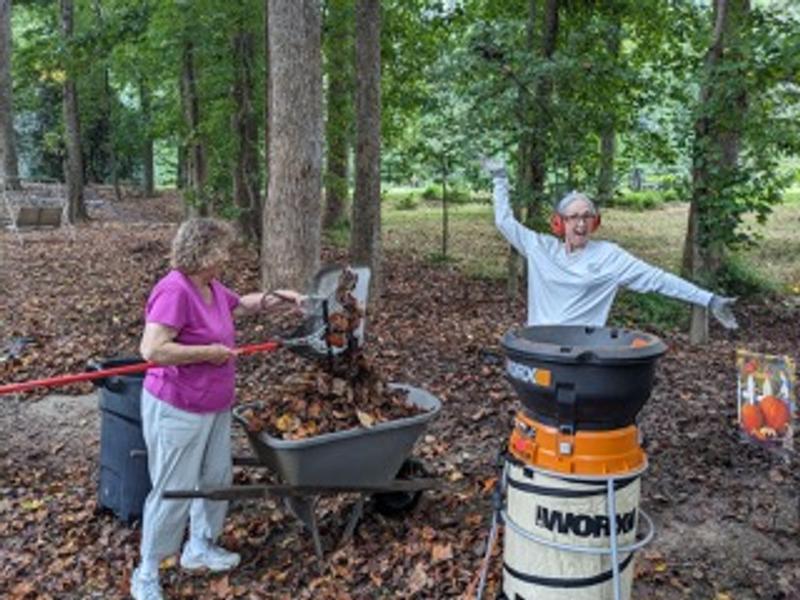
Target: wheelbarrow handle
[[242, 492], [22, 386]]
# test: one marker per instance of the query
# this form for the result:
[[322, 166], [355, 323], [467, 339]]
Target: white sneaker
[[212, 558], [145, 588]]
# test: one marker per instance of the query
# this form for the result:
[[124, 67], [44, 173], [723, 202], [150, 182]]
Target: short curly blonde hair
[[201, 243]]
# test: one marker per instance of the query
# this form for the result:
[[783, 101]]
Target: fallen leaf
[[365, 419], [441, 552]]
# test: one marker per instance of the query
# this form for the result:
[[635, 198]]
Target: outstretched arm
[[643, 277]]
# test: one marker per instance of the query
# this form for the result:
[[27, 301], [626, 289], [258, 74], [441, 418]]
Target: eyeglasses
[[585, 217]]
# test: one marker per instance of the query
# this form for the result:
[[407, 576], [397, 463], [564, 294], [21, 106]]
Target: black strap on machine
[[539, 490], [563, 582], [566, 409]]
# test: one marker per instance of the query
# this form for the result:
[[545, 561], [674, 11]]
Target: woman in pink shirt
[[186, 402]]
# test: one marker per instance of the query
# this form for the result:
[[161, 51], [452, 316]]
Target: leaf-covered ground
[[726, 512]]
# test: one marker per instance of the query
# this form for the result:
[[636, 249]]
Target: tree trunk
[[605, 178], [246, 179], [267, 100], [149, 176], [339, 69], [73, 171], [9, 169], [292, 212], [196, 168], [608, 136], [522, 194], [722, 106], [365, 241], [542, 108], [445, 213]]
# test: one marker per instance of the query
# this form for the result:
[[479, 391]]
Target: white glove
[[496, 167], [722, 309]]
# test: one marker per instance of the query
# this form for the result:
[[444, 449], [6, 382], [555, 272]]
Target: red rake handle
[[23, 386]]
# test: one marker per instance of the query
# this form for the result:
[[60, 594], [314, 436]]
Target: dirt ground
[[727, 513]]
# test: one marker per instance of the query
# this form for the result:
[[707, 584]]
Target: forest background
[[299, 119], [351, 130]]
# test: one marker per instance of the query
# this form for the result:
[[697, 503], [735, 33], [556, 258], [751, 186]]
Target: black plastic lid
[[577, 344]]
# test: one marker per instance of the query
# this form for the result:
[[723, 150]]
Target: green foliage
[[455, 195], [649, 312], [432, 192], [437, 258], [739, 278], [407, 202], [644, 200], [338, 235], [791, 195]]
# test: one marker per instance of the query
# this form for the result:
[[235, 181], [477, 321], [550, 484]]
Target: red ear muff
[[596, 222], [557, 225]]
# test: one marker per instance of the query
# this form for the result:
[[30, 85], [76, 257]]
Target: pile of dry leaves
[[317, 401]]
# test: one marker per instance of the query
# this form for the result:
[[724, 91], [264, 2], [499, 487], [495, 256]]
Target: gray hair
[[574, 195], [201, 243]]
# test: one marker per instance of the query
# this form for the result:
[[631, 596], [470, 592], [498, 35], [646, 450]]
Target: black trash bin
[[124, 481]]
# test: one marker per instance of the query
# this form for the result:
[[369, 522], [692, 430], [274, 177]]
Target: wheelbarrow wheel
[[398, 504]]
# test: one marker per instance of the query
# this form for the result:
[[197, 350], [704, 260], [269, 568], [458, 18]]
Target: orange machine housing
[[609, 452]]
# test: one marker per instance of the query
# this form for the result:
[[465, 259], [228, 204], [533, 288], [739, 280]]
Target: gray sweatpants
[[185, 450]]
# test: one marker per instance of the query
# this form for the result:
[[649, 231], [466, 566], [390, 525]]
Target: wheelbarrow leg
[[352, 521], [303, 508]]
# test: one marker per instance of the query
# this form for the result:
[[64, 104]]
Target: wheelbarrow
[[370, 461]]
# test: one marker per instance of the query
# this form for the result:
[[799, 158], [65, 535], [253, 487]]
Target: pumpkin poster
[[766, 398]]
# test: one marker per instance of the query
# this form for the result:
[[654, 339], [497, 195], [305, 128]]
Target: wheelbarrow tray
[[354, 457]]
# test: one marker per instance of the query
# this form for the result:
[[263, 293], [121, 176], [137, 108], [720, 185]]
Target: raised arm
[[515, 232]]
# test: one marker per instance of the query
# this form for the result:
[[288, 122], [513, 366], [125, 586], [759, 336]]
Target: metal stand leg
[[612, 520], [352, 521], [303, 509]]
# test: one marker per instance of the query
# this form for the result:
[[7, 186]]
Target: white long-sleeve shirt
[[578, 288]]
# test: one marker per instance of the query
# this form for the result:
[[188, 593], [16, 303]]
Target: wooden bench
[[39, 216], [34, 213]]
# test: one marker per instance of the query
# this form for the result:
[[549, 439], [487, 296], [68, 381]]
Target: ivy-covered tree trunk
[[246, 177], [339, 69], [148, 164], [73, 171], [365, 240], [9, 173], [721, 111], [292, 212], [195, 157]]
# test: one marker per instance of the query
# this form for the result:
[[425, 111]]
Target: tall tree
[[338, 46], [9, 173], [196, 162], [292, 211], [72, 127], [542, 108], [524, 150], [246, 177], [365, 240], [608, 130], [722, 108], [148, 164]]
